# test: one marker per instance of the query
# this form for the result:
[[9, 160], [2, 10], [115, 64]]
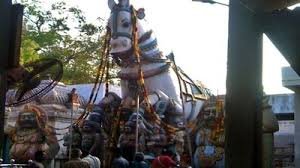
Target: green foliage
[[29, 51], [62, 32]]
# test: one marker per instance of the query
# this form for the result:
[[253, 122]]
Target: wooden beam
[[15, 35], [243, 122], [282, 28], [5, 16], [269, 5]]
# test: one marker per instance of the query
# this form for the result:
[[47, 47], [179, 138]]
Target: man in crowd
[[76, 161]]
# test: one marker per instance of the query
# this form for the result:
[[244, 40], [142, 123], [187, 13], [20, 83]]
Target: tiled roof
[[85, 90]]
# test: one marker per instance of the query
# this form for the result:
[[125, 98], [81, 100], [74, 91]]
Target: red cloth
[[163, 162]]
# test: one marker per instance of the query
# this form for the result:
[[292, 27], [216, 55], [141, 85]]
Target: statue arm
[[52, 142], [10, 131]]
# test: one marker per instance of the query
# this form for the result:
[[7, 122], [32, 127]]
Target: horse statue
[[126, 24], [157, 96], [155, 91]]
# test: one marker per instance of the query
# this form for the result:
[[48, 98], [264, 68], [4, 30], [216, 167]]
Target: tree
[[62, 32]]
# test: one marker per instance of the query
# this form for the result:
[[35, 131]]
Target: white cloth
[[93, 161]]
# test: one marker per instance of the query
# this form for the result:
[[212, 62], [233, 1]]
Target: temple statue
[[93, 138], [75, 139], [31, 134]]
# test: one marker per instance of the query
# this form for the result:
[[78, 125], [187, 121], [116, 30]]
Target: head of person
[[76, 153], [167, 152], [139, 156], [118, 152]]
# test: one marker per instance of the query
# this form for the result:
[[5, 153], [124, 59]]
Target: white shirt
[[93, 161]]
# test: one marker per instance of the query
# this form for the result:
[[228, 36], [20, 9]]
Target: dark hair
[[118, 152], [166, 151], [139, 156], [39, 156], [75, 153], [84, 152]]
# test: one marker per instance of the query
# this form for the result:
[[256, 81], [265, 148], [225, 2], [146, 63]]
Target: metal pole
[[137, 124], [71, 131]]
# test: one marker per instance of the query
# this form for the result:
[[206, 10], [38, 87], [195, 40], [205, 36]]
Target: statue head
[[94, 120], [121, 25], [129, 127], [88, 130], [111, 100], [27, 120], [32, 116], [90, 126], [76, 138]]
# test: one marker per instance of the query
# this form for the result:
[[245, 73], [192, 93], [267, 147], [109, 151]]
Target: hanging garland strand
[[100, 71], [102, 75], [107, 76], [136, 52], [170, 129]]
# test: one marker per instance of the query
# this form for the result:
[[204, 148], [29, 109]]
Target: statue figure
[[73, 99], [127, 140], [209, 138], [157, 140], [76, 139], [31, 134], [92, 139], [106, 111]]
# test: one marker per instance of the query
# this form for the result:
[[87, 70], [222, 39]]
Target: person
[[119, 161], [164, 160], [139, 161], [93, 161], [92, 139], [76, 161]]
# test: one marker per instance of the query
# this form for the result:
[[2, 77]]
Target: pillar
[[291, 80], [297, 128], [243, 121], [5, 15]]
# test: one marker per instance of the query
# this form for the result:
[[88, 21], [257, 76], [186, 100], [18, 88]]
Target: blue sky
[[197, 34]]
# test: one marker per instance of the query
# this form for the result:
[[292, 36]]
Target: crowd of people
[[167, 159], [81, 159]]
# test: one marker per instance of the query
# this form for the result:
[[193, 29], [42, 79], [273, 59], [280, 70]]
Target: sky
[[197, 33]]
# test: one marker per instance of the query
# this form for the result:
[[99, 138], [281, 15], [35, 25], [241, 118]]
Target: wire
[[211, 2], [223, 4]]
